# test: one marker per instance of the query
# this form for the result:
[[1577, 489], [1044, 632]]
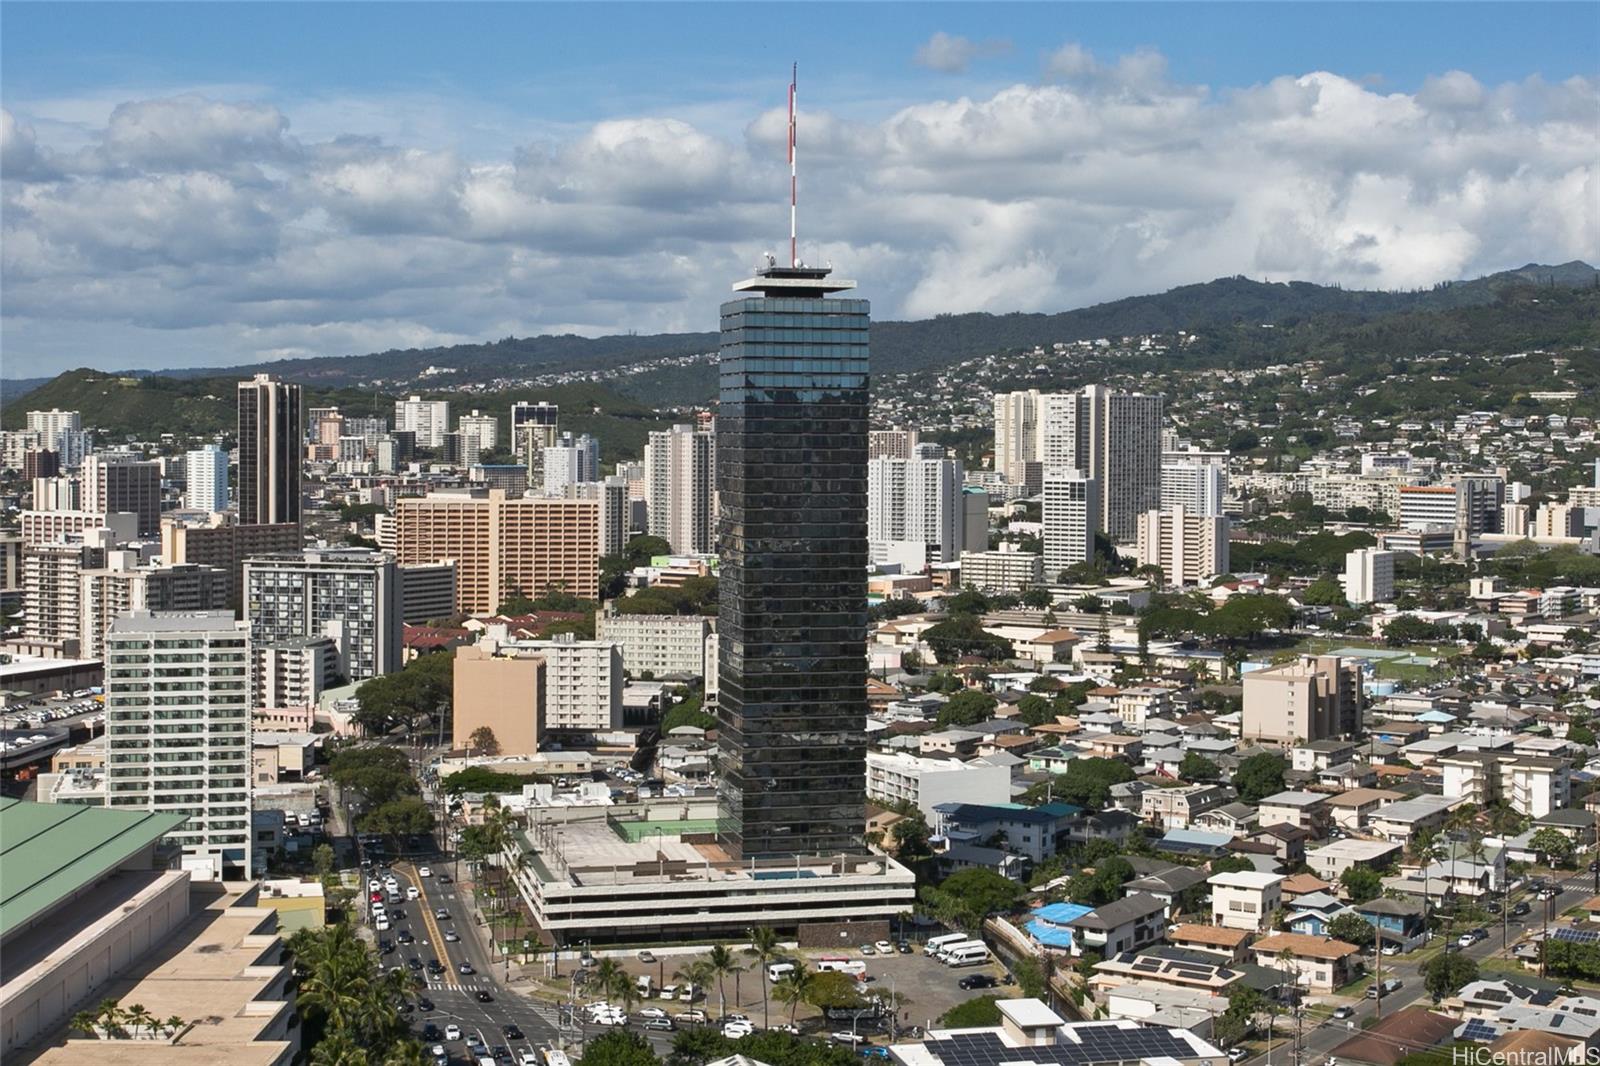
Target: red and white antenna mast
[[794, 252]]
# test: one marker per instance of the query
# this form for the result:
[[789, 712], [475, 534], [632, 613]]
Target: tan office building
[[503, 691], [1312, 698], [503, 547], [226, 546]]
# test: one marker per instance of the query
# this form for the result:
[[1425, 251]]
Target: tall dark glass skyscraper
[[270, 448], [791, 624]]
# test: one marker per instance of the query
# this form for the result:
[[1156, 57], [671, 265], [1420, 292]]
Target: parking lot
[[924, 987]]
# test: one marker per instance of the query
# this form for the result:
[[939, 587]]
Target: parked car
[[1345, 1011], [904, 947], [848, 1038], [647, 958], [693, 1014], [1237, 1054], [884, 947], [1390, 987], [976, 980], [868, 949], [652, 1012]]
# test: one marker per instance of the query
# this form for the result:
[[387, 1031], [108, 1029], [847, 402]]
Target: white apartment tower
[[1369, 576], [178, 731], [1071, 515], [890, 443], [61, 432], [570, 461], [680, 470], [1198, 486], [428, 419], [919, 500], [485, 429], [1190, 549], [1016, 433], [206, 479]]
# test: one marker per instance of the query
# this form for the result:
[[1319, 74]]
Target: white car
[[737, 1030], [652, 1012], [373, 885], [423, 871], [412, 892], [529, 1058], [1237, 1054], [884, 947], [452, 1031], [450, 937]]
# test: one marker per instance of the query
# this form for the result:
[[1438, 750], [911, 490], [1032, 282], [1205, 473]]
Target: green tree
[[1259, 776], [482, 741], [1197, 768], [1352, 929], [973, 1014], [618, 1047], [793, 988], [764, 946], [1324, 592], [1231, 864], [723, 963], [1553, 845], [408, 816], [322, 861], [1085, 782], [1361, 883], [1036, 710], [961, 635], [1578, 733], [968, 707], [965, 898], [1448, 973], [911, 837], [834, 991]]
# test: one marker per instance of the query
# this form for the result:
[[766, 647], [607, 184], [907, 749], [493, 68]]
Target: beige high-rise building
[[1312, 698], [217, 542], [45, 527], [1558, 520], [680, 478], [52, 585], [503, 547], [501, 689], [123, 585], [1191, 549]]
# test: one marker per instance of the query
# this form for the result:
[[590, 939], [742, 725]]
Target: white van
[[947, 950], [644, 983], [945, 940], [853, 967], [556, 1057], [777, 971], [968, 956]]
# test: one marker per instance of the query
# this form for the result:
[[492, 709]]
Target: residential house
[[1531, 785], [1122, 925], [1171, 886], [1028, 831], [1113, 746], [1400, 1035], [1317, 963], [1401, 821], [1351, 810], [1177, 808], [1113, 826], [1577, 826], [1245, 899], [1307, 810], [1297, 885], [1287, 842], [1226, 944], [1321, 754], [1310, 914], [1331, 860], [1050, 926], [1235, 818], [1396, 920]]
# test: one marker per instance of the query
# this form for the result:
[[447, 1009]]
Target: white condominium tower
[[61, 432], [570, 461], [1369, 576], [1196, 485], [680, 470], [178, 730], [428, 419], [1017, 437], [484, 429], [205, 474], [917, 499], [1113, 437], [1071, 515]]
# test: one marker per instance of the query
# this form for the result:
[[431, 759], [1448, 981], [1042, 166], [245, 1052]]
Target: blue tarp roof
[[1061, 913], [1050, 936]]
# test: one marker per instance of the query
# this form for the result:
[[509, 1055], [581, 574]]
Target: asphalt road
[[1317, 1041]]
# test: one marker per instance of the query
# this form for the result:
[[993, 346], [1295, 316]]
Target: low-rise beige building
[[503, 691], [1312, 698]]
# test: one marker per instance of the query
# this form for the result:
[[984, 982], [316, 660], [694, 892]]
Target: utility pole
[[1377, 968]]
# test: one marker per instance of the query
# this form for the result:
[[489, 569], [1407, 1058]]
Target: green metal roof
[[50, 850]]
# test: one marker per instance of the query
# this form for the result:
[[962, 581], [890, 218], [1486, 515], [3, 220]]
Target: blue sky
[[209, 183]]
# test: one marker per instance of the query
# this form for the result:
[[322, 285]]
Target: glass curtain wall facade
[[791, 474]]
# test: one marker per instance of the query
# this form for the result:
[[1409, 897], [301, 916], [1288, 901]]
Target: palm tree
[[696, 974], [173, 1024], [139, 1018], [764, 946], [86, 1022], [792, 988], [111, 1018], [609, 976], [722, 963]]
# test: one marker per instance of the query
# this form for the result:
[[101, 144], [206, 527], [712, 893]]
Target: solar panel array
[[1099, 1044], [1576, 936], [1479, 1030]]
